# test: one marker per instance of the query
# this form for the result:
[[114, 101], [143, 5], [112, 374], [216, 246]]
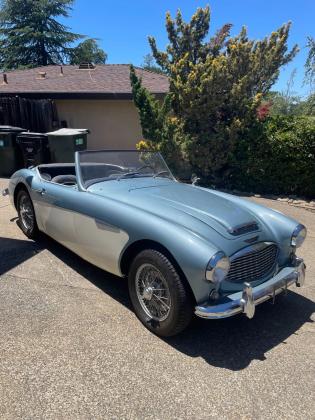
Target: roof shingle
[[107, 80]]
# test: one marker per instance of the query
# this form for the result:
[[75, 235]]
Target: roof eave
[[77, 95]]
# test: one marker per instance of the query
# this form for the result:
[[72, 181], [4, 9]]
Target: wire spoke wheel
[[26, 212], [153, 292]]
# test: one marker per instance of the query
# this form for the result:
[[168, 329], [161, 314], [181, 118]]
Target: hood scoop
[[243, 228]]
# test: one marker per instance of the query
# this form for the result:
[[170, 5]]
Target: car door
[[54, 206], [98, 236]]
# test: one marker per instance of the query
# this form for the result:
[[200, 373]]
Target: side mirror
[[195, 180]]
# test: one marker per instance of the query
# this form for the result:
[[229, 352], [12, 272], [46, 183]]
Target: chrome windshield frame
[[80, 181], [78, 172]]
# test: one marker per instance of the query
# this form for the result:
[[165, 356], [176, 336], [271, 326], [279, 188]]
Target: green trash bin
[[10, 155], [34, 148], [65, 142]]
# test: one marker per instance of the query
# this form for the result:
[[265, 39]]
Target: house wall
[[114, 124]]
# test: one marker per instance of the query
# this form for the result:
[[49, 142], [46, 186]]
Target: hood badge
[[251, 240]]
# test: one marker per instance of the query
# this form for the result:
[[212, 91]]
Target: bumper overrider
[[246, 301]]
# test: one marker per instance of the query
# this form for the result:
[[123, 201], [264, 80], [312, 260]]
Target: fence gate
[[38, 115]]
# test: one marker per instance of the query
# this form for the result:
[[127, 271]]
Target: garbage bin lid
[[69, 131], [32, 134], [7, 128]]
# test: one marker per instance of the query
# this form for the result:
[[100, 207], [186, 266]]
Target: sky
[[122, 26]]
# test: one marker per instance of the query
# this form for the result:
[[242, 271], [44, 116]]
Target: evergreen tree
[[31, 35], [216, 88], [88, 52], [149, 63], [310, 64]]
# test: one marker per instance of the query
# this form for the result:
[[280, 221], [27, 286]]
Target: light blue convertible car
[[185, 249]]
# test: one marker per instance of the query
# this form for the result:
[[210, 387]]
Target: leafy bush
[[277, 157], [216, 87]]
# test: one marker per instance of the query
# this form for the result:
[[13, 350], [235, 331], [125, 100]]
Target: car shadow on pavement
[[231, 343], [14, 252]]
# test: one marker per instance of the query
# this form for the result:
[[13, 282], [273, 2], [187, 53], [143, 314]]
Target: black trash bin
[[34, 148], [10, 155], [65, 142]]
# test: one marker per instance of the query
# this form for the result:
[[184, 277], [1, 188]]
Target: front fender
[[191, 252], [29, 179], [22, 176]]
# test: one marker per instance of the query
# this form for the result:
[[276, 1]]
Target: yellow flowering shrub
[[144, 145], [215, 89]]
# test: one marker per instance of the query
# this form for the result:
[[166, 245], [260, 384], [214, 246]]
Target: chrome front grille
[[253, 263]]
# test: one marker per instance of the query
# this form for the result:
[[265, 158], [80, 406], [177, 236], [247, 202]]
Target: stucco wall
[[113, 124]]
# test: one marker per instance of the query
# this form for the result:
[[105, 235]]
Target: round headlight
[[298, 236], [218, 268]]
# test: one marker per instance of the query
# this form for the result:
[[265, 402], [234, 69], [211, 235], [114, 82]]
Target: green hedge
[[277, 158]]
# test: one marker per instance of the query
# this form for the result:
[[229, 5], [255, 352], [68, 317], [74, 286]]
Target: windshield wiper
[[125, 175], [135, 172]]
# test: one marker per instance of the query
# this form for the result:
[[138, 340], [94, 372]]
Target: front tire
[[27, 219], [160, 297]]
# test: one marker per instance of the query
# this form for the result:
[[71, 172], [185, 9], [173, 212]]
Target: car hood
[[185, 204]]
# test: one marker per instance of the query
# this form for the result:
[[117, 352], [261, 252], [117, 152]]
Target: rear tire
[[160, 297], [27, 218]]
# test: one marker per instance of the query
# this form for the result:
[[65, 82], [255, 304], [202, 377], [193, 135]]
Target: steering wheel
[[65, 179]]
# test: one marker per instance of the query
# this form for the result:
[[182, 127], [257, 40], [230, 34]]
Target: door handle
[[42, 191]]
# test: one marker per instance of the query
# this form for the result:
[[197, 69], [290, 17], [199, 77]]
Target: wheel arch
[[19, 187], [138, 246]]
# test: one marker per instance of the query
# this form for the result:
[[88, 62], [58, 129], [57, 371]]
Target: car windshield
[[99, 166]]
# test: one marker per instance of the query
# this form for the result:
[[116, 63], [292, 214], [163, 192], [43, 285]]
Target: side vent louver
[[242, 229]]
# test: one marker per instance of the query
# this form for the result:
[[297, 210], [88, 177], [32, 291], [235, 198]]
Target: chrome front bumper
[[246, 301]]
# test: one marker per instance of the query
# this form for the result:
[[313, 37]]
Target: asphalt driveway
[[71, 347]]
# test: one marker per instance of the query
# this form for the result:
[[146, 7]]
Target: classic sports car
[[185, 249]]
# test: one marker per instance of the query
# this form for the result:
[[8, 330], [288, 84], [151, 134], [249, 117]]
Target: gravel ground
[[71, 347]]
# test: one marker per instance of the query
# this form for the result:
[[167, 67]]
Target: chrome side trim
[[106, 226], [249, 298]]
